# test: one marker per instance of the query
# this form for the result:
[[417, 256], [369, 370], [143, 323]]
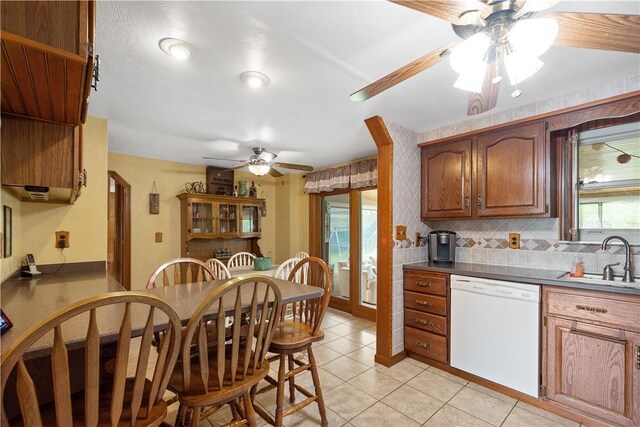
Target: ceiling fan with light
[[262, 162], [505, 36]]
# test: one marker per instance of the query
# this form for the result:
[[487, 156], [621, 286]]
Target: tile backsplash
[[485, 242]]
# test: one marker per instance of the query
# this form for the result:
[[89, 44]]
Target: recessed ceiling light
[[496, 80], [175, 48], [254, 79], [516, 93]]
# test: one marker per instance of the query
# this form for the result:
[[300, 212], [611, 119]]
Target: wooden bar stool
[[296, 335], [125, 401], [226, 372]]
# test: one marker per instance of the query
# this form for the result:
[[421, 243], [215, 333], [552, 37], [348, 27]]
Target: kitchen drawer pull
[[591, 309], [423, 284], [424, 345], [424, 322], [424, 303]]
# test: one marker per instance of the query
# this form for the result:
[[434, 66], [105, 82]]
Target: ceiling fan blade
[[598, 31], [449, 10], [226, 160], [466, 31], [528, 6], [488, 98], [401, 74], [294, 166], [274, 173]]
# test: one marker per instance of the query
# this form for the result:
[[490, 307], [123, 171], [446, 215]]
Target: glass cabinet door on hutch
[[201, 218], [250, 219], [227, 218]]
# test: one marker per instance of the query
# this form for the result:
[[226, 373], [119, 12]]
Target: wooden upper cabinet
[[36, 153], [510, 172], [502, 173], [47, 59], [446, 180]]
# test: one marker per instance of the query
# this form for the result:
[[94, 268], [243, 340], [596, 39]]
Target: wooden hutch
[[210, 223]]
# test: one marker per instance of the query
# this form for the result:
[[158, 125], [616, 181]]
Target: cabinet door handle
[[466, 201], [423, 284], [638, 357], [423, 303], [591, 309], [480, 200], [424, 345], [424, 322]]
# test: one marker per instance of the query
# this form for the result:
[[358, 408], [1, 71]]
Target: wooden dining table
[[27, 302]]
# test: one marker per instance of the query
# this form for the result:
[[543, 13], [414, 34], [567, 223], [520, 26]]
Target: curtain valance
[[363, 173]]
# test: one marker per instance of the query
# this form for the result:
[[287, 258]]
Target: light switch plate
[[158, 237]]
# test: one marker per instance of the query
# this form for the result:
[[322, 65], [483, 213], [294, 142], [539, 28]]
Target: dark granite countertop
[[535, 276]]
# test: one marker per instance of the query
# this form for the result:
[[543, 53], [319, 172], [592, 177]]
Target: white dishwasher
[[495, 331]]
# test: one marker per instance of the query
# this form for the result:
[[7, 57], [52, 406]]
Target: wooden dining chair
[[219, 269], [225, 374], [297, 335], [180, 271], [122, 401], [241, 259]]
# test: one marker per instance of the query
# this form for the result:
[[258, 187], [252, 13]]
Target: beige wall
[[170, 177], [10, 264], [292, 220], [86, 220]]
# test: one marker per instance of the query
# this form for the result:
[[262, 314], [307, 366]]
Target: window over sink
[[606, 177]]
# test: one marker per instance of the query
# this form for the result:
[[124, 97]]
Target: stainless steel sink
[[596, 279]]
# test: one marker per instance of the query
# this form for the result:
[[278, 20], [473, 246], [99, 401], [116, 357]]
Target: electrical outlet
[[62, 239], [514, 241], [401, 232]]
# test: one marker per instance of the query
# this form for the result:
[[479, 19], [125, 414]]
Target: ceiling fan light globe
[[533, 37], [259, 170], [470, 53], [521, 67], [472, 79]]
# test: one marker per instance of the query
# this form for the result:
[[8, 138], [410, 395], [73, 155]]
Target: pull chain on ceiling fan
[[503, 35]]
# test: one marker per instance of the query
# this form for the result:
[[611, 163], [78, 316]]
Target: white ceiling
[[316, 54]]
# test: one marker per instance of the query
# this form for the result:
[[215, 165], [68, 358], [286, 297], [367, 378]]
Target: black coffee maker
[[442, 246]]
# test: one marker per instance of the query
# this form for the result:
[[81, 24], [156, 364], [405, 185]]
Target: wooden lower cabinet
[[591, 363], [426, 302]]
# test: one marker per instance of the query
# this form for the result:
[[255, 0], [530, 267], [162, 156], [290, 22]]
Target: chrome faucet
[[628, 269]]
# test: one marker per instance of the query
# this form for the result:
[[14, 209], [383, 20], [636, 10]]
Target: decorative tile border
[[542, 245]]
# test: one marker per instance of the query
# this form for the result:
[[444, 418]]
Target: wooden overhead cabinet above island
[[47, 59]]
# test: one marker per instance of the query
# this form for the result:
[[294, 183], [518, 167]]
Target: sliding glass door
[[348, 244]]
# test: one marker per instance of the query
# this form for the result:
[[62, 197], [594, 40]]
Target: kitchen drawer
[[425, 343], [431, 283], [425, 321], [598, 307], [426, 303]]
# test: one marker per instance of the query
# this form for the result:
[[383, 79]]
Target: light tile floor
[[360, 392]]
